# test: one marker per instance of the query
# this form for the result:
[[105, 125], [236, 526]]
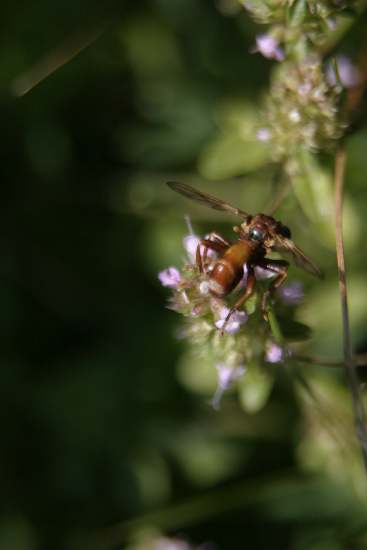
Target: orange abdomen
[[228, 271]]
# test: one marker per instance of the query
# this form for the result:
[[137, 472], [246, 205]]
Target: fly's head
[[262, 230]]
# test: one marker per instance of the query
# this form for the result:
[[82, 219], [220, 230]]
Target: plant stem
[[264, 491], [274, 326], [349, 364], [53, 60], [359, 361]]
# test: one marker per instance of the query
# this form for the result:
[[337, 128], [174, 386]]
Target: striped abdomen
[[228, 271]]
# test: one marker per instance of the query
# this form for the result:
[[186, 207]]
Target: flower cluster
[[329, 8], [269, 47], [309, 12], [302, 108], [232, 345], [266, 11], [303, 104]]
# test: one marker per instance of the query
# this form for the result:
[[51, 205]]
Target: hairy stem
[[349, 364]]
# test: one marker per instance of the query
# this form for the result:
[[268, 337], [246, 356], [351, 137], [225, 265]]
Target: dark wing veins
[[287, 246], [206, 199]]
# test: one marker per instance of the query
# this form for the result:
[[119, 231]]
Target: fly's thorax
[[259, 231], [267, 223]]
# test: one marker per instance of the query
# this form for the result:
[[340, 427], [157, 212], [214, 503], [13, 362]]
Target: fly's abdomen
[[224, 277], [228, 271]]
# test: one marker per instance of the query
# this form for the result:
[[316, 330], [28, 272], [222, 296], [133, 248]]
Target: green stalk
[[275, 326]]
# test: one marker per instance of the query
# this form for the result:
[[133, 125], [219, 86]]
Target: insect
[[257, 236]]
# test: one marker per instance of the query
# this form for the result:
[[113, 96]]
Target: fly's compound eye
[[285, 232], [257, 234]]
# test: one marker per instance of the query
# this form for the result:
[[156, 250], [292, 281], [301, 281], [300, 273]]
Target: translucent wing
[[287, 246], [204, 198]]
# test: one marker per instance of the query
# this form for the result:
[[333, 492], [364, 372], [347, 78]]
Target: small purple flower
[[274, 354], [226, 376], [263, 134], [331, 23], [269, 47], [164, 543], [237, 319], [292, 294], [191, 243], [170, 277], [305, 89], [347, 73]]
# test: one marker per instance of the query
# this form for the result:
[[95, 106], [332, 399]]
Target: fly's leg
[[214, 238], [251, 280], [276, 266], [212, 242]]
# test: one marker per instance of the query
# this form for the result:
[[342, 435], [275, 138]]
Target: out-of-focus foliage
[[107, 431]]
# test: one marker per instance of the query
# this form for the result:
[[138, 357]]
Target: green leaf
[[313, 188], [235, 151], [232, 155], [255, 388], [322, 311], [297, 13], [197, 373], [250, 305], [204, 459], [294, 331]]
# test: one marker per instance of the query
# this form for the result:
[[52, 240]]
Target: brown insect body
[[228, 271], [257, 235]]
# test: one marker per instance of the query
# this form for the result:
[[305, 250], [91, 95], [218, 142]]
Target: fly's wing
[[287, 247], [207, 200]]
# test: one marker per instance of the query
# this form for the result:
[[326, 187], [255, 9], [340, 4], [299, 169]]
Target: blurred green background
[[103, 439]]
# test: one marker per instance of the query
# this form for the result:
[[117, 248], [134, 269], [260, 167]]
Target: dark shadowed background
[[103, 439]]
